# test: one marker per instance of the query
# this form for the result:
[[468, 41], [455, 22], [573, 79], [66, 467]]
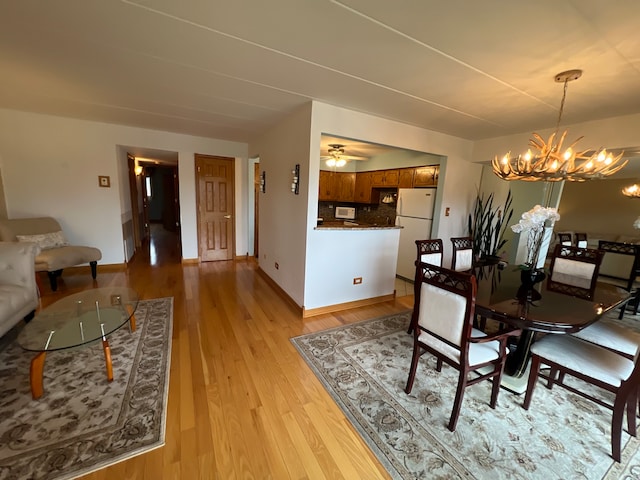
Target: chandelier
[[632, 191], [547, 162]]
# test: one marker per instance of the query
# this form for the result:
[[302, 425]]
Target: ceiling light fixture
[[632, 191], [336, 152], [548, 164]]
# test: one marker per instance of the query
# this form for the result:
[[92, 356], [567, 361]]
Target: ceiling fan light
[[331, 162], [341, 162]]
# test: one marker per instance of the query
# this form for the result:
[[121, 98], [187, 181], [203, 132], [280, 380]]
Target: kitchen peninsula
[[348, 225]]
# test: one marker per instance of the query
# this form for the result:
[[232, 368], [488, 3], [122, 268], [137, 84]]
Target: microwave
[[348, 213]]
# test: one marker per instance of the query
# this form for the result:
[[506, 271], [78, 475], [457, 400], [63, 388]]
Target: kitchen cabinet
[[336, 186], [345, 186], [405, 177], [327, 180], [426, 176], [363, 187], [385, 178]]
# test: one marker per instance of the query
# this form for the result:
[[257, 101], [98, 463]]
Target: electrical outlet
[[357, 280], [277, 266]]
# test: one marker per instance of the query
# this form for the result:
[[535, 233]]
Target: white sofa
[[18, 288]]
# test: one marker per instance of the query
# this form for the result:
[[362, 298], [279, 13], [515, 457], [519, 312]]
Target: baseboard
[[190, 261], [344, 306], [279, 290]]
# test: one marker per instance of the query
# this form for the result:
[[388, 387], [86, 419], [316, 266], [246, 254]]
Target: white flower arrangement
[[636, 224], [534, 222]]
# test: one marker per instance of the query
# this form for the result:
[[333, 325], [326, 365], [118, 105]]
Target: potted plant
[[487, 226]]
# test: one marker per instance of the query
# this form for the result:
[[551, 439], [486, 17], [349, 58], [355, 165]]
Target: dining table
[[536, 310]]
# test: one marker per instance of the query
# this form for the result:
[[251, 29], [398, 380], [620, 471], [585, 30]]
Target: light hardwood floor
[[242, 402]]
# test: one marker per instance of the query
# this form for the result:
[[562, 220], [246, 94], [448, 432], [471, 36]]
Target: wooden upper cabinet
[[327, 181], [363, 187], [426, 176], [336, 186], [385, 178], [405, 178], [345, 186]]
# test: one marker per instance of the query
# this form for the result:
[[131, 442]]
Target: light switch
[[446, 212]]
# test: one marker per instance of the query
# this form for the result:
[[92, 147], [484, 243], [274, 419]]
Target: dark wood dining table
[[500, 297]]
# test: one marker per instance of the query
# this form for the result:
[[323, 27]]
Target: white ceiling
[[229, 69]]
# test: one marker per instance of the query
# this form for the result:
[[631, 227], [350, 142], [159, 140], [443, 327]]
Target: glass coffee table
[[77, 320]]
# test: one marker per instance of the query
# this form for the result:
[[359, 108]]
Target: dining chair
[[568, 355], [442, 319], [564, 238], [620, 266], [429, 251], [462, 258], [574, 271], [581, 239]]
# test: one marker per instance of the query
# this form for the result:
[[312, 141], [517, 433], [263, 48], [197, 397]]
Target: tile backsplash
[[382, 214]]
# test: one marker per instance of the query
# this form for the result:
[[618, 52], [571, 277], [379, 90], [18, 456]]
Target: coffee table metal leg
[[107, 359], [36, 372], [132, 318]]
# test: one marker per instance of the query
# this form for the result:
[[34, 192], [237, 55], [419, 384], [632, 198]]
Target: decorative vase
[[529, 278]]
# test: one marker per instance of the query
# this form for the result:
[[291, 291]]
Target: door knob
[[227, 216]]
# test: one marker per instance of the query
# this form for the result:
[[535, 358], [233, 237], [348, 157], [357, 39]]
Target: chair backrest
[[430, 251], [564, 238], [462, 258], [621, 260], [574, 271], [444, 308], [581, 240]]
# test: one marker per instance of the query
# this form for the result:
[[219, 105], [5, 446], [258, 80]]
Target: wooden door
[[215, 194], [135, 211], [256, 208]]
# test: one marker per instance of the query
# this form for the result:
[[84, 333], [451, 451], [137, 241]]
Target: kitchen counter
[[354, 225]]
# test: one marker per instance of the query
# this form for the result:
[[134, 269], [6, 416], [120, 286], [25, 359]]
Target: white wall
[[283, 215], [50, 166], [328, 263], [458, 180]]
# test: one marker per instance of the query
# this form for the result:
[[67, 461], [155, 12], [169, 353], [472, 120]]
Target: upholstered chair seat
[[608, 370]]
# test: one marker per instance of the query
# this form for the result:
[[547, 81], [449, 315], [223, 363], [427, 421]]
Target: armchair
[[56, 254]]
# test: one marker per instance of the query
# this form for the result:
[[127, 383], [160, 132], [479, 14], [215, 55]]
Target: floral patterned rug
[[364, 366], [83, 422]]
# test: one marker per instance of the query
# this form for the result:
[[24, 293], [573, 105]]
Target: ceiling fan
[[336, 156]]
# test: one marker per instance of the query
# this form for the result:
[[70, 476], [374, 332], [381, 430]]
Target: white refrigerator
[[414, 213]]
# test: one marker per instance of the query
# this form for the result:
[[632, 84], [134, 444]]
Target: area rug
[[364, 366], [83, 422]]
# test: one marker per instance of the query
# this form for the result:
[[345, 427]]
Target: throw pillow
[[45, 240]]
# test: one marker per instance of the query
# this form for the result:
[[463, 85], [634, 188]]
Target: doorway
[[215, 207], [155, 207]]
